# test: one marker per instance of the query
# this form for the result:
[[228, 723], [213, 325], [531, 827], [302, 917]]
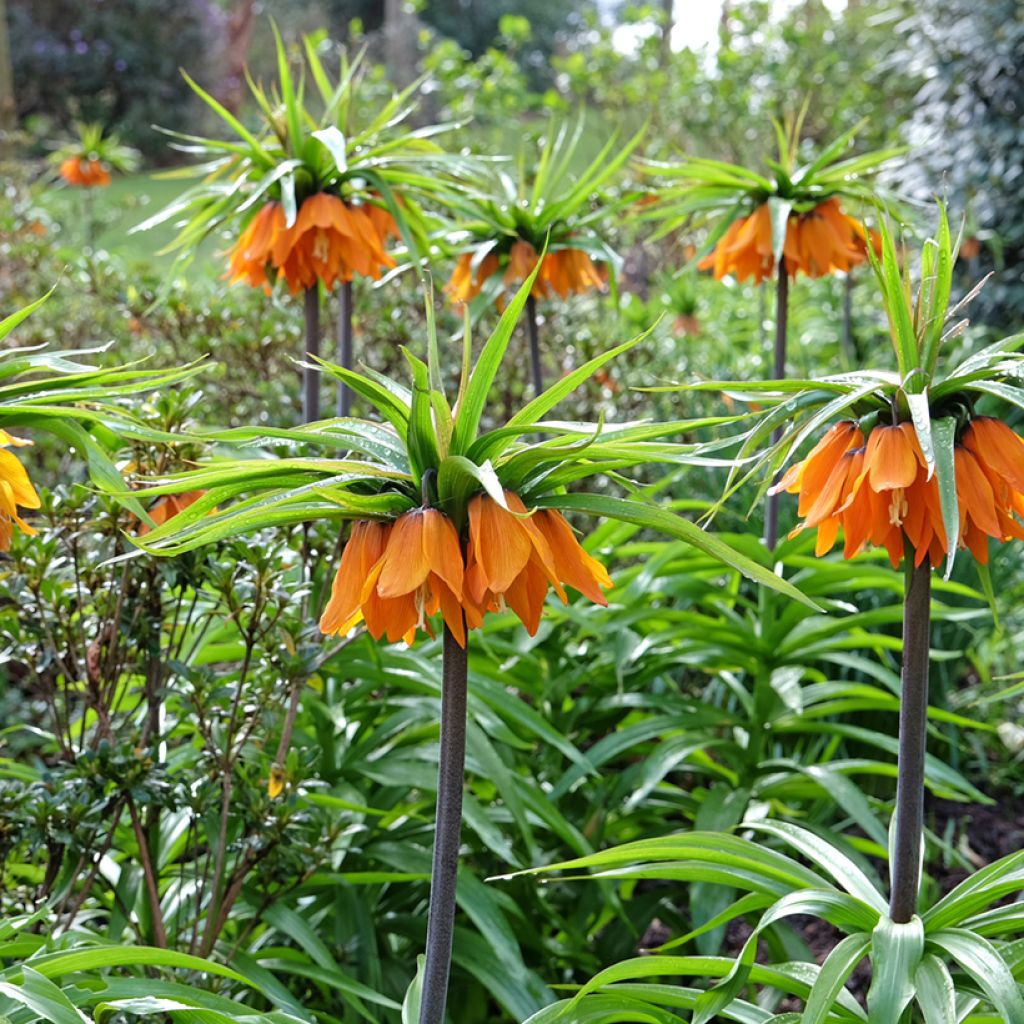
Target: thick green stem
[[311, 376], [908, 820], [447, 833], [345, 346], [534, 331], [771, 512]]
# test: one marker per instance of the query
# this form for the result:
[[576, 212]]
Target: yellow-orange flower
[[330, 241], [86, 172], [571, 270], [394, 577], [249, 257], [513, 557], [15, 489], [818, 242]]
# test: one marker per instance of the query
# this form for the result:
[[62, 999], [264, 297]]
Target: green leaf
[[42, 997], [920, 415], [334, 142], [896, 951], [944, 436], [658, 519], [779, 209], [936, 993], [478, 389], [421, 439], [831, 979], [829, 859], [9, 323], [981, 960], [414, 994], [535, 409], [54, 965]]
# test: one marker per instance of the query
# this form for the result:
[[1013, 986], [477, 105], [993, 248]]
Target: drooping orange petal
[[974, 492], [574, 566], [995, 444], [362, 552], [501, 546], [442, 550], [13, 473], [890, 459], [405, 564]]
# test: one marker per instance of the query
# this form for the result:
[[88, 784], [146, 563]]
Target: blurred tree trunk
[[238, 39], [8, 108], [668, 22], [399, 43]]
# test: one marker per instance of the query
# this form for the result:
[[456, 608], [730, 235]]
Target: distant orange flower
[[818, 242], [86, 172], [562, 272], [880, 493], [330, 241], [168, 507], [395, 576], [15, 489]]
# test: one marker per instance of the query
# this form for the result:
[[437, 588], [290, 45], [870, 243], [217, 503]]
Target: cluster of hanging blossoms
[[394, 576], [818, 242], [329, 241], [562, 272], [83, 171], [881, 491]]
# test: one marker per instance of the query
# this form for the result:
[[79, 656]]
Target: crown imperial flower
[[818, 242], [83, 171], [330, 241], [881, 493], [396, 576]]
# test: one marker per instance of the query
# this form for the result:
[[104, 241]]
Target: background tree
[[967, 134], [112, 63]]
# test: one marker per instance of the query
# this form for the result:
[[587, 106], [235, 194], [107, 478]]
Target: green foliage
[[963, 947], [185, 762]]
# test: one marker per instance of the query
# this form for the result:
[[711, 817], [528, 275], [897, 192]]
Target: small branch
[[908, 823], [289, 721], [445, 868], [149, 875]]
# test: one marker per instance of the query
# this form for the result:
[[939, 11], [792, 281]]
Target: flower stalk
[[310, 374], [771, 513], [908, 820], [345, 357], [448, 830], [533, 329]]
